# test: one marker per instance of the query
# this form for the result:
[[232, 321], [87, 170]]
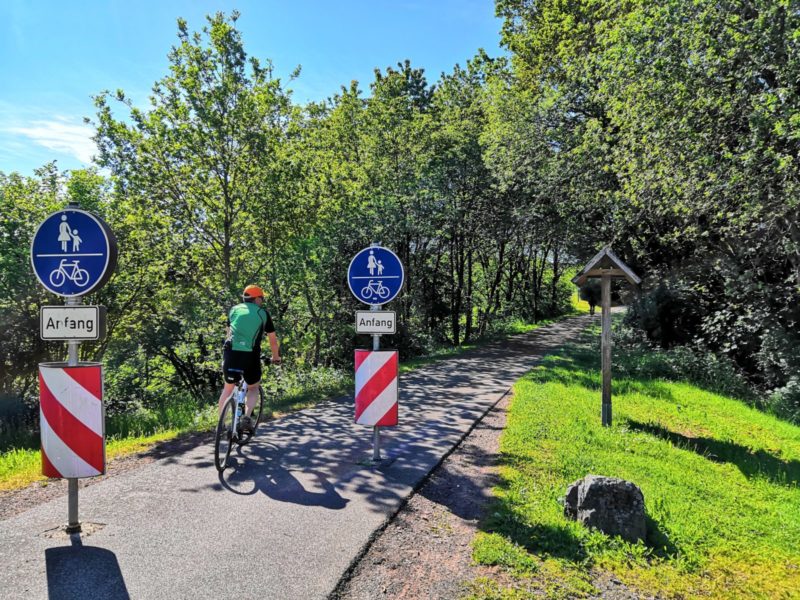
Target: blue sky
[[54, 55]]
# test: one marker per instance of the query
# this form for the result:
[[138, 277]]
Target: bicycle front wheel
[[57, 278], [256, 416], [223, 440]]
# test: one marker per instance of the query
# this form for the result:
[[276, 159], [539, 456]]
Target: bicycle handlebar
[[269, 361]]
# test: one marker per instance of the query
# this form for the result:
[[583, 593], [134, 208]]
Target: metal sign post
[[73, 524], [376, 345], [375, 277], [73, 253], [376, 431]]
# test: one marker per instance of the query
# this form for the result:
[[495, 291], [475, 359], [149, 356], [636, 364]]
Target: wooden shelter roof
[[606, 262]]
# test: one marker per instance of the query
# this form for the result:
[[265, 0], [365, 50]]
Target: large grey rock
[[612, 505]]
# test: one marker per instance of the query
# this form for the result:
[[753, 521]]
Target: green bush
[[637, 356], [784, 402], [669, 315]]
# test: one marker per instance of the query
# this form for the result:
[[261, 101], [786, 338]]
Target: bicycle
[[228, 433], [378, 289], [69, 271]]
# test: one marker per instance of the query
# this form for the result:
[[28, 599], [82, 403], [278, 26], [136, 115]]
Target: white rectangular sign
[[375, 321], [72, 322]]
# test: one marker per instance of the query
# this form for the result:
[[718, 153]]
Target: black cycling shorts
[[249, 363]]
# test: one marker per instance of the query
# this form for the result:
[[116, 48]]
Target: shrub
[[636, 356], [784, 402], [668, 315]]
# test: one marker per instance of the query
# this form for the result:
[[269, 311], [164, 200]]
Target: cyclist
[[247, 323]]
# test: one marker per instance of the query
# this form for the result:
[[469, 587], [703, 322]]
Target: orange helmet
[[253, 291]]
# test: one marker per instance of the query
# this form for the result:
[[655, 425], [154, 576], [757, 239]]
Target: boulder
[[614, 506]]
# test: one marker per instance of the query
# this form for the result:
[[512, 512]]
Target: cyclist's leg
[[252, 375], [252, 398], [231, 373], [227, 390]]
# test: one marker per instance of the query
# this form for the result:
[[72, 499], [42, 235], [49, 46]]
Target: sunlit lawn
[[720, 482]]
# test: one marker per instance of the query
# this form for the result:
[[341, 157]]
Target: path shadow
[[319, 457], [79, 572], [246, 476], [758, 463], [172, 449]]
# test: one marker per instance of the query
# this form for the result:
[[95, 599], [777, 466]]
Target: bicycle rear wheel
[[223, 440], [256, 416]]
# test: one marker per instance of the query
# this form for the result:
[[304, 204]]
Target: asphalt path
[[286, 521]]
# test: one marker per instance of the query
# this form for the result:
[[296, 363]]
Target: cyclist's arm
[[274, 347], [268, 327]]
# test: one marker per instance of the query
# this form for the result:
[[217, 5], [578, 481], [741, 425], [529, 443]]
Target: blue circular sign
[[73, 252], [375, 275]]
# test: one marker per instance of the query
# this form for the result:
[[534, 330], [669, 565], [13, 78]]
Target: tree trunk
[[554, 284], [469, 309]]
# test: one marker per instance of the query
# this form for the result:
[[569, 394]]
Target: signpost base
[[606, 416], [73, 526], [376, 444]]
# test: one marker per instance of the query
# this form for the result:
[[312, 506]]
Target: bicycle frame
[[240, 392], [227, 430]]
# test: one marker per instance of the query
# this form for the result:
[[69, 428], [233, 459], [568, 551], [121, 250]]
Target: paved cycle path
[[286, 520]]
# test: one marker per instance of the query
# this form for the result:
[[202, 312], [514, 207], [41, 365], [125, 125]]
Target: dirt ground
[[425, 552]]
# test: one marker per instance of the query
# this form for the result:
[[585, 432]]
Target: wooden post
[[606, 265], [605, 288]]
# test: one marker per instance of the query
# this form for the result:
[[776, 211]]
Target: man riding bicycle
[[241, 353]]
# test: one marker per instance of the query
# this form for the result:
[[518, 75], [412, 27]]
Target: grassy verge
[[720, 481], [20, 467]]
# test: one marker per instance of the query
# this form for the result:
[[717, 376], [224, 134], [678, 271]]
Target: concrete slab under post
[[605, 287]]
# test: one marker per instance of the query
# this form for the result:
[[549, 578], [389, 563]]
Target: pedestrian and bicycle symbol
[[73, 252], [375, 275]]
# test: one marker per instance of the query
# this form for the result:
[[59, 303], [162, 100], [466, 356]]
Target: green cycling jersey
[[248, 322]]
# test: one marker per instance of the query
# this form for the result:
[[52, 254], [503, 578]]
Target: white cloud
[[60, 134]]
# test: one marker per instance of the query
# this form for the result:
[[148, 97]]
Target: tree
[[203, 175], [677, 119]]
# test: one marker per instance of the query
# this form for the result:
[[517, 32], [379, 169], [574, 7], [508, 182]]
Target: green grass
[[126, 434], [720, 480], [20, 467], [579, 306]]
